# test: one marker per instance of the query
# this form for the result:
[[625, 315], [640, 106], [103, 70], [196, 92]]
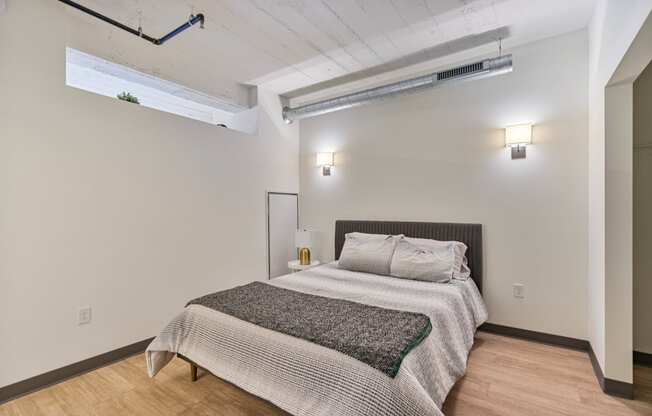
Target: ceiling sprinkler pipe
[[187, 25], [138, 32]]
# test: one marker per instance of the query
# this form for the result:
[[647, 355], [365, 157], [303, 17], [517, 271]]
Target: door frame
[[269, 249]]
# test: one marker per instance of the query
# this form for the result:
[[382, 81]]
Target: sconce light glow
[[518, 137], [325, 160]]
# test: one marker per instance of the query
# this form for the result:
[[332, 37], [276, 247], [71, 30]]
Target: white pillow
[[369, 253], [429, 260]]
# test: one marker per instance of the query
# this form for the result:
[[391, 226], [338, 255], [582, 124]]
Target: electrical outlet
[[84, 315], [519, 290]]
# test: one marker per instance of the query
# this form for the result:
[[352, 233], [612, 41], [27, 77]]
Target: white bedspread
[[307, 379]]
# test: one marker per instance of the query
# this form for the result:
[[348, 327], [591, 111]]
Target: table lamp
[[302, 239]]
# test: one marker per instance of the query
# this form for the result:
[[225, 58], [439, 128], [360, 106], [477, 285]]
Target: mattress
[[307, 379]]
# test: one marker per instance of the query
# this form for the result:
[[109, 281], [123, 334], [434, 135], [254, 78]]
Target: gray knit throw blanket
[[376, 336]]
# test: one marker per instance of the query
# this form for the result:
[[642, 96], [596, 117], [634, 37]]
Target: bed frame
[[469, 234]]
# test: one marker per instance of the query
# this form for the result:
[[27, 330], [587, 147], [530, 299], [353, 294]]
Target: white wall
[[643, 212], [612, 30], [618, 231], [440, 156], [123, 208]]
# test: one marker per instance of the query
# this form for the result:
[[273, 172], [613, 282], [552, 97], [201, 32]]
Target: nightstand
[[294, 265]]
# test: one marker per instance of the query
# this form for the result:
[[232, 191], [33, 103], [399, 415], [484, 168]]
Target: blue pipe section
[[191, 22]]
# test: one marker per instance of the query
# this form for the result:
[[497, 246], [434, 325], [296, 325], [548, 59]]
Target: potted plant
[[125, 96]]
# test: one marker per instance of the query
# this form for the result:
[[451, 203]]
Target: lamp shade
[[303, 239], [518, 135], [325, 159]]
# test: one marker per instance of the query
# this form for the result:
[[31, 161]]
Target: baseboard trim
[[30, 385], [609, 386], [643, 358], [541, 337]]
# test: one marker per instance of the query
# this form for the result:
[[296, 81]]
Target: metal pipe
[[477, 70], [187, 25], [193, 20]]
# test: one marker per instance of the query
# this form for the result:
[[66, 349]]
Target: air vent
[[462, 70]]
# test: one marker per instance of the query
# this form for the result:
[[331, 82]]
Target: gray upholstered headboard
[[469, 234]]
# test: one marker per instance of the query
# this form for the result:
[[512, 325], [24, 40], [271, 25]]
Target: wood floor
[[505, 377]]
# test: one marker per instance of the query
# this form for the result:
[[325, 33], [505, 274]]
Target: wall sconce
[[518, 137], [325, 161]]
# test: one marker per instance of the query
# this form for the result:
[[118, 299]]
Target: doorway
[[282, 222]]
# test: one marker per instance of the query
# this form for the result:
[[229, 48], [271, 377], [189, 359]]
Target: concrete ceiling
[[308, 49]]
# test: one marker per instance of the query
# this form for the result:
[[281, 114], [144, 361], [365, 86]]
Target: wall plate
[[84, 315]]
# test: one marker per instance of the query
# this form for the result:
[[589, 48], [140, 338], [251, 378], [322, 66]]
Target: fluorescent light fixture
[[325, 160], [518, 137]]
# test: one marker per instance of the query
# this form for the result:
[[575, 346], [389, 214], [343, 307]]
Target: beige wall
[[612, 30], [643, 212], [619, 178], [440, 156], [618, 231], [107, 204]]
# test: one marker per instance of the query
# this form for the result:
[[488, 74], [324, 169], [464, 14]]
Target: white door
[[282, 222]]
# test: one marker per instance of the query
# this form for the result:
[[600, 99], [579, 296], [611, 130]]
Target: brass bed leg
[[193, 372]]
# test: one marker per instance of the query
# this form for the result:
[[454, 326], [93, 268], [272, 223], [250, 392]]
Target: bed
[[304, 378]]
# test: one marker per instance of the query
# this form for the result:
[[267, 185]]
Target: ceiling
[[307, 49]]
